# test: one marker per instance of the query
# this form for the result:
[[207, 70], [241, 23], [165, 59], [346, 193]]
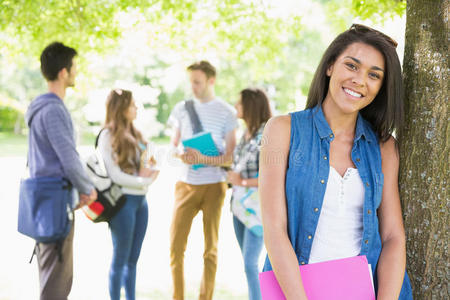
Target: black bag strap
[[193, 116], [34, 252], [58, 247], [98, 136]]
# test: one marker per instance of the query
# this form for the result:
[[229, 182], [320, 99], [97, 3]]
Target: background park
[[145, 46]]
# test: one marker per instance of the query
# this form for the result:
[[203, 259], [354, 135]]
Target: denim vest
[[307, 176]]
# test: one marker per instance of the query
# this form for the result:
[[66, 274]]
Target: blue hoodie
[[51, 142]]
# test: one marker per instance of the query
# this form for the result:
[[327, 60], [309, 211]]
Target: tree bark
[[424, 148]]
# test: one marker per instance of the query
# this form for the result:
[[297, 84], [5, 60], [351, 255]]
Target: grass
[[13, 144], [88, 139], [16, 144], [161, 140], [219, 294]]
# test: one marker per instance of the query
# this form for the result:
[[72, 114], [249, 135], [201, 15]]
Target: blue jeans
[[128, 228], [251, 246]]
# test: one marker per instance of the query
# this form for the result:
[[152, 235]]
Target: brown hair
[[205, 67], [124, 137], [255, 109], [385, 113]]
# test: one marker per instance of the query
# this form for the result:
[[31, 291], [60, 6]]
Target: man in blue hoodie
[[52, 152]]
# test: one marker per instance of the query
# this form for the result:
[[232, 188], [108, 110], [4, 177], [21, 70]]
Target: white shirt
[[340, 227], [131, 184], [217, 117]]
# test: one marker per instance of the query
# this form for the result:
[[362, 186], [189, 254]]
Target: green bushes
[[9, 118]]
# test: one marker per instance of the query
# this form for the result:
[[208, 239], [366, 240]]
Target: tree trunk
[[424, 148]]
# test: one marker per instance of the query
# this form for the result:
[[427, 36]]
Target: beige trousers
[[189, 200]]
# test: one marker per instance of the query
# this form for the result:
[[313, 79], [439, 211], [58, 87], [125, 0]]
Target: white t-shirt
[[217, 117]]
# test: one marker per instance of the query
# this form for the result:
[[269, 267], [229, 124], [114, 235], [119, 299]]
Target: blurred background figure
[[252, 107], [122, 148]]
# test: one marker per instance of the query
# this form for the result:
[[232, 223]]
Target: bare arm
[[272, 172], [392, 261]]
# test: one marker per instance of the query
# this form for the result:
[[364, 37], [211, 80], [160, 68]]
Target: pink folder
[[347, 278]]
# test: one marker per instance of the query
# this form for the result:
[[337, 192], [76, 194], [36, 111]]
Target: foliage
[[243, 38], [342, 13], [378, 9], [8, 118], [20, 81], [166, 99], [84, 24], [96, 25], [251, 42]]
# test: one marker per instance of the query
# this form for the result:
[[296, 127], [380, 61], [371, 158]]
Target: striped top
[[217, 117]]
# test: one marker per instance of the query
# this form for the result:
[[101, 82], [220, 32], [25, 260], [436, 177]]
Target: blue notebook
[[204, 143]]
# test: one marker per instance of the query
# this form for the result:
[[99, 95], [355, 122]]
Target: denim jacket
[[307, 175]]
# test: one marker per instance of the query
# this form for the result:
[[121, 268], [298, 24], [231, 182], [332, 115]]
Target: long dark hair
[[124, 136], [255, 109], [385, 113]]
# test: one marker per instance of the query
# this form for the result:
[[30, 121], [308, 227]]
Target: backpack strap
[[193, 116], [98, 136]]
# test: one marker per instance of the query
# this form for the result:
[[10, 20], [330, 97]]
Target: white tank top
[[340, 227]]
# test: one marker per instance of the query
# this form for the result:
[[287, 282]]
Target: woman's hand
[[147, 162], [234, 178], [148, 172]]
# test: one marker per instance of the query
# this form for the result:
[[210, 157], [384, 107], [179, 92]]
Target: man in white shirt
[[203, 188]]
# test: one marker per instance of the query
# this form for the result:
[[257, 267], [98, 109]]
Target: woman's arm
[[272, 172], [114, 171], [392, 261]]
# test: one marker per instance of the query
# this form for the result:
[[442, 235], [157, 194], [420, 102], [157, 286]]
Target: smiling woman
[[375, 53], [355, 78], [339, 198]]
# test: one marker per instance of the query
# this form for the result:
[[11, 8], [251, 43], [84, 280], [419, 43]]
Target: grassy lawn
[[219, 294], [12, 144], [161, 140], [16, 145]]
